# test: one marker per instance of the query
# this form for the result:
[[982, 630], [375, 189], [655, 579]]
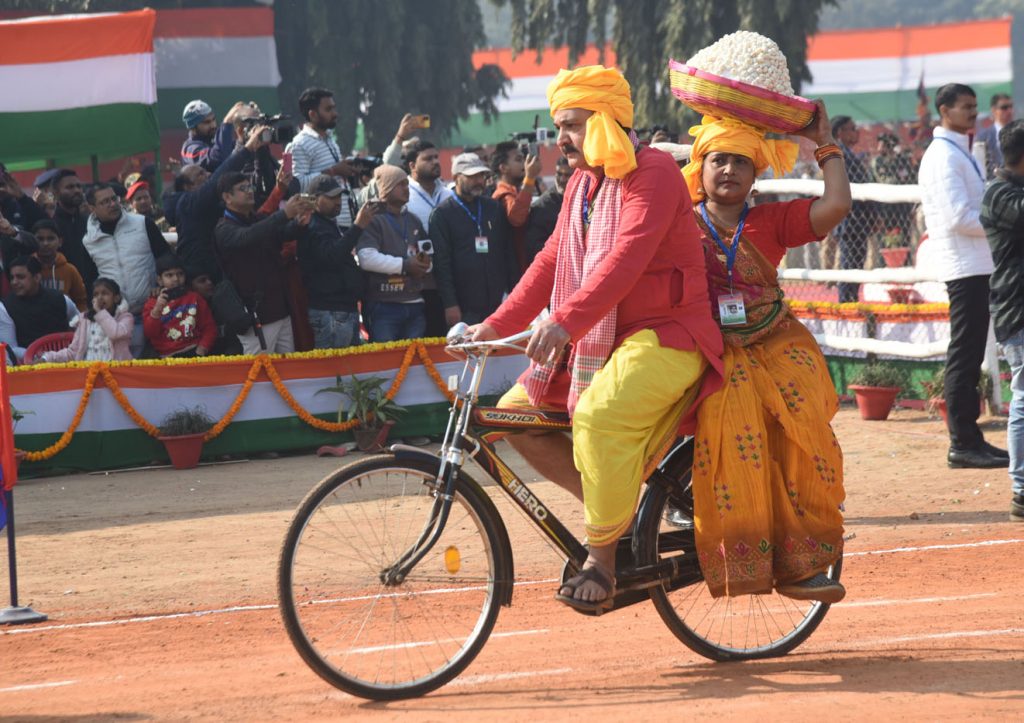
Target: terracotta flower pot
[[874, 403], [938, 404], [896, 257], [372, 439], [184, 450]]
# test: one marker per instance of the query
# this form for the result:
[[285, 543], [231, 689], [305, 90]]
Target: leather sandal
[[591, 574]]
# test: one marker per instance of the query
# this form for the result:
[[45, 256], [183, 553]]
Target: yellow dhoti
[[623, 424]]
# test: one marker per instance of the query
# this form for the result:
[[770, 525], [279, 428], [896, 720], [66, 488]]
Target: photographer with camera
[[249, 247], [396, 256], [207, 144], [263, 167], [330, 273], [517, 175], [314, 151], [194, 207]]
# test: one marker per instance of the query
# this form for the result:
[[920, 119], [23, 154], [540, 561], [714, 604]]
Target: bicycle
[[393, 570]]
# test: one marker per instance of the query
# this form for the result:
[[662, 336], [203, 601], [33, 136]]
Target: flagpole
[[15, 614]]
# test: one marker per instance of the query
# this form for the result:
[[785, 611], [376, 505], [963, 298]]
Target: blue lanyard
[[478, 218], [585, 213], [237, 218], [974, 163], [729, 251], [394, 224], [430, 201]]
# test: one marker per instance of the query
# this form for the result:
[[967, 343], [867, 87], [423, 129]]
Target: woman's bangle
[[826, 157], [828, 149]]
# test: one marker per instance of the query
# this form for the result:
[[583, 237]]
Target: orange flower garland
[[65, 439], [243, 393], [262, 361], [119, 395]]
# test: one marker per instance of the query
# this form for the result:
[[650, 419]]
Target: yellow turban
[[606, 92], [726, 135]]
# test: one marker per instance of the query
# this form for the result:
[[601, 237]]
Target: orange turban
[[727, 135], [606, 92]]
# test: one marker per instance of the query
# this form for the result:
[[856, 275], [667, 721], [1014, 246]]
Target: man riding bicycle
[[630, 347]]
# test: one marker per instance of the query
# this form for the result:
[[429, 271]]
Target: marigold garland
[[261, 361], [65, 439]]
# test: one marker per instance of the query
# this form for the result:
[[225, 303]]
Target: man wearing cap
[[396, 263], [630, 335], [141, 200], [474, 262], [206, 145], [333, 280]]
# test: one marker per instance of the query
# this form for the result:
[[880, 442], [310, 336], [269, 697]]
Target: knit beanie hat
[[194, 113]]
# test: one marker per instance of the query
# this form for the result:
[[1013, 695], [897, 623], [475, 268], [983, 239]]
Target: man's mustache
[[568, 148]]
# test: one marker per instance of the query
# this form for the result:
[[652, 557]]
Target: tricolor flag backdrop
[[75, 86], [221, 55], [871, 75]]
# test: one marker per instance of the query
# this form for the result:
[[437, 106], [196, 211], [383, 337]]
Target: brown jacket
[[62, 276]]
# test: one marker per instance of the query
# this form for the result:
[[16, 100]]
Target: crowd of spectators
[[283, 243]]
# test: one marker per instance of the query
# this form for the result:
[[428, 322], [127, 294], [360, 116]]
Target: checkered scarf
[[578, 255]]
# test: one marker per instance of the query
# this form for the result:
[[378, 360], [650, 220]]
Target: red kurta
[[655, 275]]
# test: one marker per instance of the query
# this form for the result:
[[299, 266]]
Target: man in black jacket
[[330, 273], [71, 216], [1002, 216], [474, 261], [197, 207], [35, 310], [17, 207], [250, 249]]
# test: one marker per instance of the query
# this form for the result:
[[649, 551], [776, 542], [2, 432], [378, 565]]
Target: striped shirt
[[312, 154]]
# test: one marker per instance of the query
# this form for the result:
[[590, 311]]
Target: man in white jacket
[[952, 185]]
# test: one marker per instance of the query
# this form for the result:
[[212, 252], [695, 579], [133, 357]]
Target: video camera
[[528, 140], [364, 165], [280, 131]]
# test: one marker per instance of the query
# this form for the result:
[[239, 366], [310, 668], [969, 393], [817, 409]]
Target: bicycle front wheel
[[746, 627], [381, 639]]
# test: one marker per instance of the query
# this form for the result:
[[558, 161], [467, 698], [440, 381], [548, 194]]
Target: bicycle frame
[[474, 430]]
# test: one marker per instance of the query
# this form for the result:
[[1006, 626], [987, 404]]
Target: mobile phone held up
[[424, 121], [286, 162]]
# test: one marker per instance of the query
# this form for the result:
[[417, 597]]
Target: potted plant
[[182, 433], [369, 404], [894, 249], [875, 387], [934, 392]]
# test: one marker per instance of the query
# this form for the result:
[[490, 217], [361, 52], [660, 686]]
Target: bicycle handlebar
[[457, 341]]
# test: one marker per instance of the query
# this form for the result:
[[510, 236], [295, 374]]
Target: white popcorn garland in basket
[[749, 58]]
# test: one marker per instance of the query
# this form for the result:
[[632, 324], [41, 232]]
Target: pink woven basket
[[711, 94]]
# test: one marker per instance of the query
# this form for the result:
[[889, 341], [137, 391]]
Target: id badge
[[481, 244], [731, 311]]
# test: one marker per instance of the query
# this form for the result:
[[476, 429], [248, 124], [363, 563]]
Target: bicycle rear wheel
[[747, 627], [390, 641]]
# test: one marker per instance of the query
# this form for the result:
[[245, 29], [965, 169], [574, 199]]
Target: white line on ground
[[37, 686], [913, 601], [424, 643], [952, 635], [248, 608], [957, 546], [204, 613], [491, 678]]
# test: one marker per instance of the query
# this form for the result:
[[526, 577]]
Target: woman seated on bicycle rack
[[768, 471], [623, 274]]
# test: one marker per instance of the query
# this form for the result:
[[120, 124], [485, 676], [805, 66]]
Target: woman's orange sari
[[768, 471]]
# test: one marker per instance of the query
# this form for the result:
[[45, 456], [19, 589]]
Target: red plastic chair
[[50, 342]]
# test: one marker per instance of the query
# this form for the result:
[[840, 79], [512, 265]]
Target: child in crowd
[[178, 321], [226, 344], [58, 273], [104, 332]]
